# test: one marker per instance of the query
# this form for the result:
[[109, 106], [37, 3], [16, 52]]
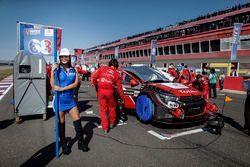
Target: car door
[[130, 92]]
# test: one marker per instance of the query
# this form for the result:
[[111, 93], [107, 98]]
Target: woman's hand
[[57, 88], [54, 66]]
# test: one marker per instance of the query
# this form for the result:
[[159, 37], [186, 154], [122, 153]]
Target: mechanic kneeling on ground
[[108, 77], [201, 84]]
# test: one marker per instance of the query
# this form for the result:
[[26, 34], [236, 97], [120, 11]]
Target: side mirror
[[133, 82]]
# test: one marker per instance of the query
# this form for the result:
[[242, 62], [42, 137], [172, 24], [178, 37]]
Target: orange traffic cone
[[228, 99]]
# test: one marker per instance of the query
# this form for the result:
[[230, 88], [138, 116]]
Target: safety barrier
[[234, 83]]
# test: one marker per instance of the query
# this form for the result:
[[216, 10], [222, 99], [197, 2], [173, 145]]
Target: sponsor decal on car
[[175, 85]]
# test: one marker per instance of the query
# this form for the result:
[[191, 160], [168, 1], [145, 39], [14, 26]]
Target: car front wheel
[[144, 108]]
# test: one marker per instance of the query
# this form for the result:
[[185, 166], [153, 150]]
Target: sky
[[87, 23]]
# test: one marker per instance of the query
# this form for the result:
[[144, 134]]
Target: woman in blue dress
[[68, 80]]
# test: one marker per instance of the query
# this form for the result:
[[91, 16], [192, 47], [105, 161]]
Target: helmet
[[64, 52]]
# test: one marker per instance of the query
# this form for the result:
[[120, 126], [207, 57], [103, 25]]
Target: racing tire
[[144, 108]]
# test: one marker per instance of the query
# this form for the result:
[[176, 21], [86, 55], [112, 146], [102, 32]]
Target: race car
[[155, 97]]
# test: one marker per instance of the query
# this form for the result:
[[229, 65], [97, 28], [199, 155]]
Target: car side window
[[126, 79]]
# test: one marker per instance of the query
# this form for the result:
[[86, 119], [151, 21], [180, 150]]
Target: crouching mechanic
[[106, 79], [201, 84]]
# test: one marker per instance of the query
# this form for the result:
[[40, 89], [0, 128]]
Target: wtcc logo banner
[[39, 41], [36, 39], [235, 40]]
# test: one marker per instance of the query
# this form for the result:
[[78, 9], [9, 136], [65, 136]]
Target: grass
[[5, 73]]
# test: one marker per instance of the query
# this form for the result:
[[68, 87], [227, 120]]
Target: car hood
[[177, 89]]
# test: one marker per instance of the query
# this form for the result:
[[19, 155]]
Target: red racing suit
[[192, 75], [107, 78], [172, 72], [81, 71], [202, 87], [184, 75]]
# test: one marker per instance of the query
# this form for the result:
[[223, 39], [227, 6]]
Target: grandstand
[[197, 42]]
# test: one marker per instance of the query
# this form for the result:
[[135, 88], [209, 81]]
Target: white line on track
[[5, 86], [221, 94], [89, 112], [5, 83], [163, 136], [5, 92], [119, 124]]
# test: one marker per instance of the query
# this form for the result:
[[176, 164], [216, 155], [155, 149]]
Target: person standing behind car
[[184, 76], [106, 79], [67, 81], [172, 71], [221, 80], [212, 83], [80, 72], [86, 76]]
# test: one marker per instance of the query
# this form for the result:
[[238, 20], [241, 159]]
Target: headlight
[[170, 101]]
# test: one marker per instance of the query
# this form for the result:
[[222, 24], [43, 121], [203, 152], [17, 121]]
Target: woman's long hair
[[68, 65]]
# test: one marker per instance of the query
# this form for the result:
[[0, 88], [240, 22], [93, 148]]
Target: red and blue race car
[[155, 97]]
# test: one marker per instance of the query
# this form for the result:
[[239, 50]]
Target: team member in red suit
[[193, 75], [79, 72], [123, 64], [172, 71], [184, 76], [106, 79], [201, 84]]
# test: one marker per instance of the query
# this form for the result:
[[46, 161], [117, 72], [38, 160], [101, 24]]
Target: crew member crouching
[[201, 84]]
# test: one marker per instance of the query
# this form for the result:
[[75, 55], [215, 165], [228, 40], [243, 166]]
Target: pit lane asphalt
[[32, 143]]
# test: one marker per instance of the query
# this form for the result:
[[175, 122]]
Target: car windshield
[[148, 74]]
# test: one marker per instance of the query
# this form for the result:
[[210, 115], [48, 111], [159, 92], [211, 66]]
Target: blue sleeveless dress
[[66, 98]]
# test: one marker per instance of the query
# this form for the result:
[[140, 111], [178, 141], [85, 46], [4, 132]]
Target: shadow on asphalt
[[83, 105], [163, 125], [50, 113], [41, 157], [5, 123], [233, 123], [177, 126], [92, 123]]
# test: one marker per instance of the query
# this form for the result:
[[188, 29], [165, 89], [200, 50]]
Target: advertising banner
[[153, 51], [117, 52], [235, 40], [36, 39]]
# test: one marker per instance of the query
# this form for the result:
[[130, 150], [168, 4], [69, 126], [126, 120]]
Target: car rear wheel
[[144, 108]]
